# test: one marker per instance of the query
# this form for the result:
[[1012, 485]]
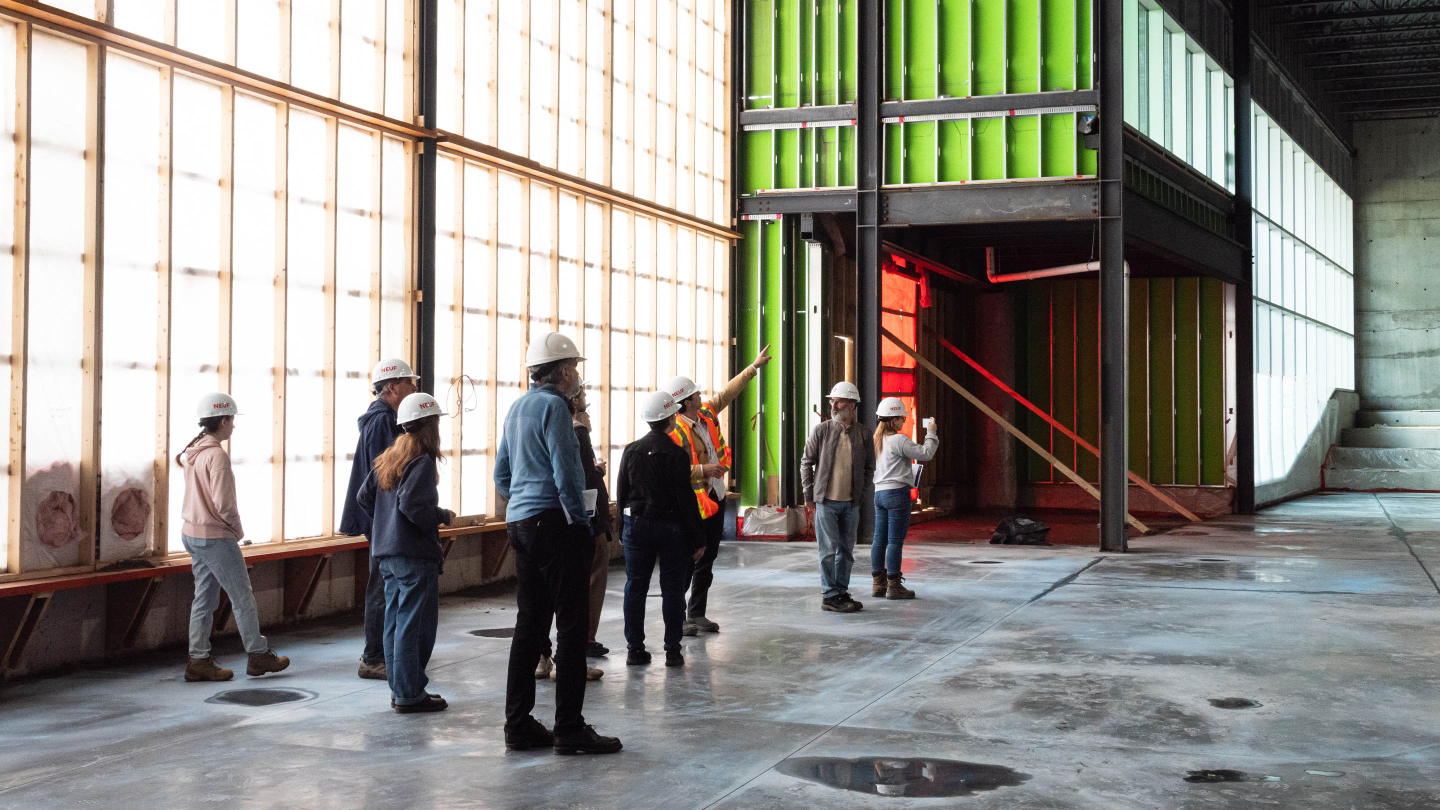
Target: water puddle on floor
[[494, 632], [1235, 703], [1224, 775], [1221, 775], [261, 697], [894, 776]]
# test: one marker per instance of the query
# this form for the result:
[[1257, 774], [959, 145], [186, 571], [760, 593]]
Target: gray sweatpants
[[218, 564]]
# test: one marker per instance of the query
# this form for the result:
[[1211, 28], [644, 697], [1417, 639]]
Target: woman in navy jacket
[[402, 499]]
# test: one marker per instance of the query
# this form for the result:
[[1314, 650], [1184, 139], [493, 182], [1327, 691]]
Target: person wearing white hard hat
[[894, 478], [539, 473], [837, 472], [401, 497], [211, 532], [653, 494], [392, 380], [697, 431]]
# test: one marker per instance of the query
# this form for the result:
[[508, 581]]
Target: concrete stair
[[1387, 450]]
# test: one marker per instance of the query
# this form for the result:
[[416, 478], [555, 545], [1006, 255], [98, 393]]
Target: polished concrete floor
[[1021, 678]]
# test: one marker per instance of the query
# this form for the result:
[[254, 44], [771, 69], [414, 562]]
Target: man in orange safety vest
[[697, 432]]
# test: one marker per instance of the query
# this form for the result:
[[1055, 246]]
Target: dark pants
[[647, 542], [552, 577], [412, 614], [713, 528], [374, 616]]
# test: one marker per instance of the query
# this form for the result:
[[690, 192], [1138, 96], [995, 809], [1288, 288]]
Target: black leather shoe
[[595, 649], [533, 734], [586, 741], [839, 604], [431, 703], [673, 658], [637, 657]]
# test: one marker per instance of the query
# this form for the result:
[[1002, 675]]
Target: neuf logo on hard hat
[[388, 368], [428, 404], [221, 405]]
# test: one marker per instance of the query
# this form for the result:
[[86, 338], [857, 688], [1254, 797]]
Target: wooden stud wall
[[685, 44]]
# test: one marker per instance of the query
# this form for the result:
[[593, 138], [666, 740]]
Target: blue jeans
[[374, 616], [837, 524], [412, 615], [218, 565], [647, 542], [892, 520]]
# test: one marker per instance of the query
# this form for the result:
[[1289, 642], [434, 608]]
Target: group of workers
[[669, 495]]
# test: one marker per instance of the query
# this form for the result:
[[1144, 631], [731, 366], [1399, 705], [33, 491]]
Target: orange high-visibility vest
[[683, 437]]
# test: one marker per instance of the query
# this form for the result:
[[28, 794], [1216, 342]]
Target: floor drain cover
[[984, 562], [495, 632], [261, 697], [1213, 559], [1189, 534], [1235, 703], [899, 777]]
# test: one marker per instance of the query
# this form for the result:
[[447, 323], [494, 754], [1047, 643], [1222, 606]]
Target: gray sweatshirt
[[892, 468]]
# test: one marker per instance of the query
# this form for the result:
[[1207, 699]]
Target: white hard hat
[[658, 406], [845, 390], [891, 407], [681, 388], [417, 406], [392, 368], [216, 404], [553, 346]]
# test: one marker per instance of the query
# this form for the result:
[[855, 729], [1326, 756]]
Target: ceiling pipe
[[1047, 272]]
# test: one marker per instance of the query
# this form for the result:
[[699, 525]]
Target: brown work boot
[[373, 672], [878, 587], [894, 590], [263, 662], [205, 669]]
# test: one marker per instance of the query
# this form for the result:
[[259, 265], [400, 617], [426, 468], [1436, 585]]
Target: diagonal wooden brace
[[1146, 485], [1014, 431]]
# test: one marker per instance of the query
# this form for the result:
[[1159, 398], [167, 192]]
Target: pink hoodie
[[210, 510]]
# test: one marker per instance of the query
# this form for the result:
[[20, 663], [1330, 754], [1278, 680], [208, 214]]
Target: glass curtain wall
[[1304, 297], [240, 243], [1303, 230], [1176, 95]]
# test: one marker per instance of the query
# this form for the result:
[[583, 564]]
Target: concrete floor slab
[[1076, 679]]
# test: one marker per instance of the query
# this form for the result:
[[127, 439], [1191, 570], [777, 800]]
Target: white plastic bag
[[774, 521]]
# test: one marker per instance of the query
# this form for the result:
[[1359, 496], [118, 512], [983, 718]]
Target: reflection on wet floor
[[899, 777]]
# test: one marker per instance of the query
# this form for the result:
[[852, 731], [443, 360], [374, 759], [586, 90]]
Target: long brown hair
[[884, 428], [423, 440], [209, 424]]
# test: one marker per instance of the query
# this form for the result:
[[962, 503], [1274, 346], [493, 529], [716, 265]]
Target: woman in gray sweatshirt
[[893, 481]]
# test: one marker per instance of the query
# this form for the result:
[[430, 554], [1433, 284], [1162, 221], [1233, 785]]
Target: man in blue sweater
[[538, 472], [392, 381]]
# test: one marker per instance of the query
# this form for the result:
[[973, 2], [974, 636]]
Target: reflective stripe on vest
[[712, 423], [681, 436]]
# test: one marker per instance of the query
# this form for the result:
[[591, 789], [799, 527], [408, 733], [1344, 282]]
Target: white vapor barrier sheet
[[50, 524], [135, 99]]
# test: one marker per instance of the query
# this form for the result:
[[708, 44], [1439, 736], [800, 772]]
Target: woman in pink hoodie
[[211, 532]]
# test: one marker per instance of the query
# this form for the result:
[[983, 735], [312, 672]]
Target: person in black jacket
[[392, 380], [662, 523], [402, 498]]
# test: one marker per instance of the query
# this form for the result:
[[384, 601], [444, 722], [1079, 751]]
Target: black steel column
[[1114, 282], [427, 69], [867, 210], [1244, 292]]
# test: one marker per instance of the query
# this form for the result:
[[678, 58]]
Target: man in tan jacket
[[697, 432]]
